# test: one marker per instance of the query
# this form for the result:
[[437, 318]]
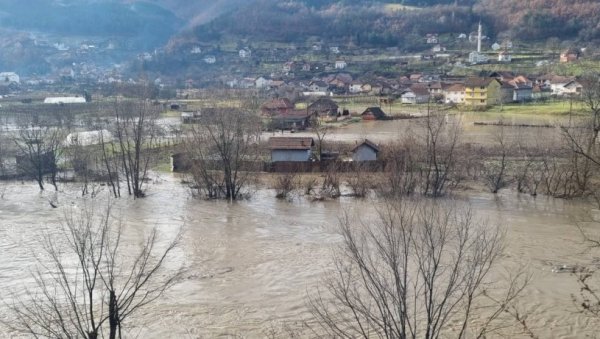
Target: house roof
[[456, 88], [505, 75], [323, 104], [368, 143], [376, 111], [435, 85], [478, 82], [318, 83], [291, 143], [274, 104], [572, 83], [420, 90]]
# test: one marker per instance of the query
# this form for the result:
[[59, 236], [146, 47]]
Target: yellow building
[[482, 92]]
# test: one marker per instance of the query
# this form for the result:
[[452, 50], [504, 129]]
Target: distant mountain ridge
[[397, 23]]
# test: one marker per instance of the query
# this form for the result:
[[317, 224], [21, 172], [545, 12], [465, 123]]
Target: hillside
[[372, 23], [147, 23]]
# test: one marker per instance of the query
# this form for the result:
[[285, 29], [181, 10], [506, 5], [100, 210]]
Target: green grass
[[545, 108], [577, 68]]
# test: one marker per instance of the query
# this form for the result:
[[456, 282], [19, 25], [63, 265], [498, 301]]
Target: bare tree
[[401, 177], [285, 184], [582, 137], [136, 133], [359, 180], [421, 266], [223, 148], [320, 129], [441, 141], [495, 171], [39, 148], [87, 284]]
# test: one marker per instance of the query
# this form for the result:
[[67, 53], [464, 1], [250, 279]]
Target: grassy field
[[558, 108], [542, 108]]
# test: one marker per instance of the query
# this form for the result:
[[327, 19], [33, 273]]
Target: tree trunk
[[113, 315]]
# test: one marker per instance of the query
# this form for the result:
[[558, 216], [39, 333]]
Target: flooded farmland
[[481, 133], [251, 264]]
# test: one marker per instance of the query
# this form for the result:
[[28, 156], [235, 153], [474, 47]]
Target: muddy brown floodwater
[[395, 130], [252, 263]]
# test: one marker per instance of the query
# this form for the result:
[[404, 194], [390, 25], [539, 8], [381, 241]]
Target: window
[[483, 101], [482, 87]]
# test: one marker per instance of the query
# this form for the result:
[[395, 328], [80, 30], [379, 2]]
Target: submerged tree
[[136, 132], [441, 140], [39, 147], [222, 148], [421, 270], [88, 283]]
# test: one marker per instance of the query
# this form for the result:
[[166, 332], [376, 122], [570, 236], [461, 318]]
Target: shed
[[296, 149], [374, 113], [365, 151]]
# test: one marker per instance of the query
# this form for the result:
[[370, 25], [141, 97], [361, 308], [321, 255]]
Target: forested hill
[[147, 23], [393, 23]]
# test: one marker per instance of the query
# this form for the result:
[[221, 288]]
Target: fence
[[181, 163]]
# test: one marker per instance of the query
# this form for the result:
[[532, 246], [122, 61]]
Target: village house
[[569, 55], [374, 113], [431, 39], [245, 53], [477, 58], [262, 82], [318, 86], [340, 64], [504, 56], [522, 92], [355, 87], [276, 106], [365, 151], [455, 94], [334, 49], [572, 88], [435, 88], [293, 119], [482, 92], [297, 149], [210, 59], [438, 48], [324, 108], [556, 83], [415, 95]]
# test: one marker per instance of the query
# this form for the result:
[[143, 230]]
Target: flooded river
[[252, 263]]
